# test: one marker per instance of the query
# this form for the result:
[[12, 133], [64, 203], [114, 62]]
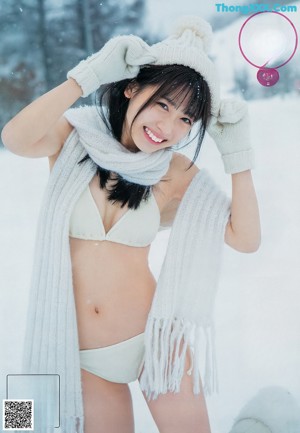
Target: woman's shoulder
[[83, 119], [174, 185], [180, 174]]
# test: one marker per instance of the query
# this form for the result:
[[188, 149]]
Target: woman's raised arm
[[231, 133], [39, 129]]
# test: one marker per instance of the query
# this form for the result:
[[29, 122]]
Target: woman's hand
[[40, 128], [120, 58], [230, 131]]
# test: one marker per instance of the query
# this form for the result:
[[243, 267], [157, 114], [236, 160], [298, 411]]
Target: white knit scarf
[[183, 303], [141, 168]]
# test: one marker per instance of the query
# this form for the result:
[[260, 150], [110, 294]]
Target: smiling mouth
[[152, 136]]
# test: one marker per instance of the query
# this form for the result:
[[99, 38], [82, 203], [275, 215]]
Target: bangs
[[188, 98], [182, 87]]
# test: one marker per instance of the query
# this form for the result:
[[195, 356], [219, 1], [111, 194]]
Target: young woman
[[157, 94]]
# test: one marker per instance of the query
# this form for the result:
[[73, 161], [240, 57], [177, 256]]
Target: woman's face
[[158, 126]]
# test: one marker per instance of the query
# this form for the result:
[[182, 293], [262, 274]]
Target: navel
[[96, 310]]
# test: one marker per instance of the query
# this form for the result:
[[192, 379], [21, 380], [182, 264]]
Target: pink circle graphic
[[268, 76]]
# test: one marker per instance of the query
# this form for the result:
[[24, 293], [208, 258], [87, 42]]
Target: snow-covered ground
[[257, 310]]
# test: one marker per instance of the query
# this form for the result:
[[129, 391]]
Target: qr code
[[18, 414]]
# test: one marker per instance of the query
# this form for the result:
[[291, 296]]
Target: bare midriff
[[113, 289]]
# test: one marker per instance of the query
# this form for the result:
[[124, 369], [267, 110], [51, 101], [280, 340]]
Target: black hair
[[181, 85]]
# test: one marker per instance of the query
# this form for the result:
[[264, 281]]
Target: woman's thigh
[[107, 405], [180, 412]]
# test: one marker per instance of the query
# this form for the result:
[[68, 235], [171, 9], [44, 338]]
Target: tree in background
[[20, 73], [42, 39]]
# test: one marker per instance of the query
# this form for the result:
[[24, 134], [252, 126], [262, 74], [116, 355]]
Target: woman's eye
[[187, 120], [163, 105]]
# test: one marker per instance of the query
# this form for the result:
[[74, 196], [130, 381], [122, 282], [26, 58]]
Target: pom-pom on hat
[[188, 45]]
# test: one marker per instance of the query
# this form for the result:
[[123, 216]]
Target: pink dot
[[267, 76]]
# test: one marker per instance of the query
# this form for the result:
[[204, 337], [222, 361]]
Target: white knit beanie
[[188, 45]]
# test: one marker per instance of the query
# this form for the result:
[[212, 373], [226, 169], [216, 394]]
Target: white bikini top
[[135, 228]]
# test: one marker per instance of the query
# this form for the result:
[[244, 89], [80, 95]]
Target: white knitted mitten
[[120, 58], [230, 131]]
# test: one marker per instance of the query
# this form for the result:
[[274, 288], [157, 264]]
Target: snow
[[257, 311], [160, 17], [230, 60]]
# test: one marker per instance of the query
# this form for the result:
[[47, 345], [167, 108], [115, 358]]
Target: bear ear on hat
[[198, 26]]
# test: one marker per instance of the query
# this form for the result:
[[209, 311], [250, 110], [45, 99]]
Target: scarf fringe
[[165, 357]]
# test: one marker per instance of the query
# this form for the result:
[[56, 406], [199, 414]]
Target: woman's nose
[[166, 127]]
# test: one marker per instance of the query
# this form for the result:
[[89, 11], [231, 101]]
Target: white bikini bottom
[[121, 362]]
